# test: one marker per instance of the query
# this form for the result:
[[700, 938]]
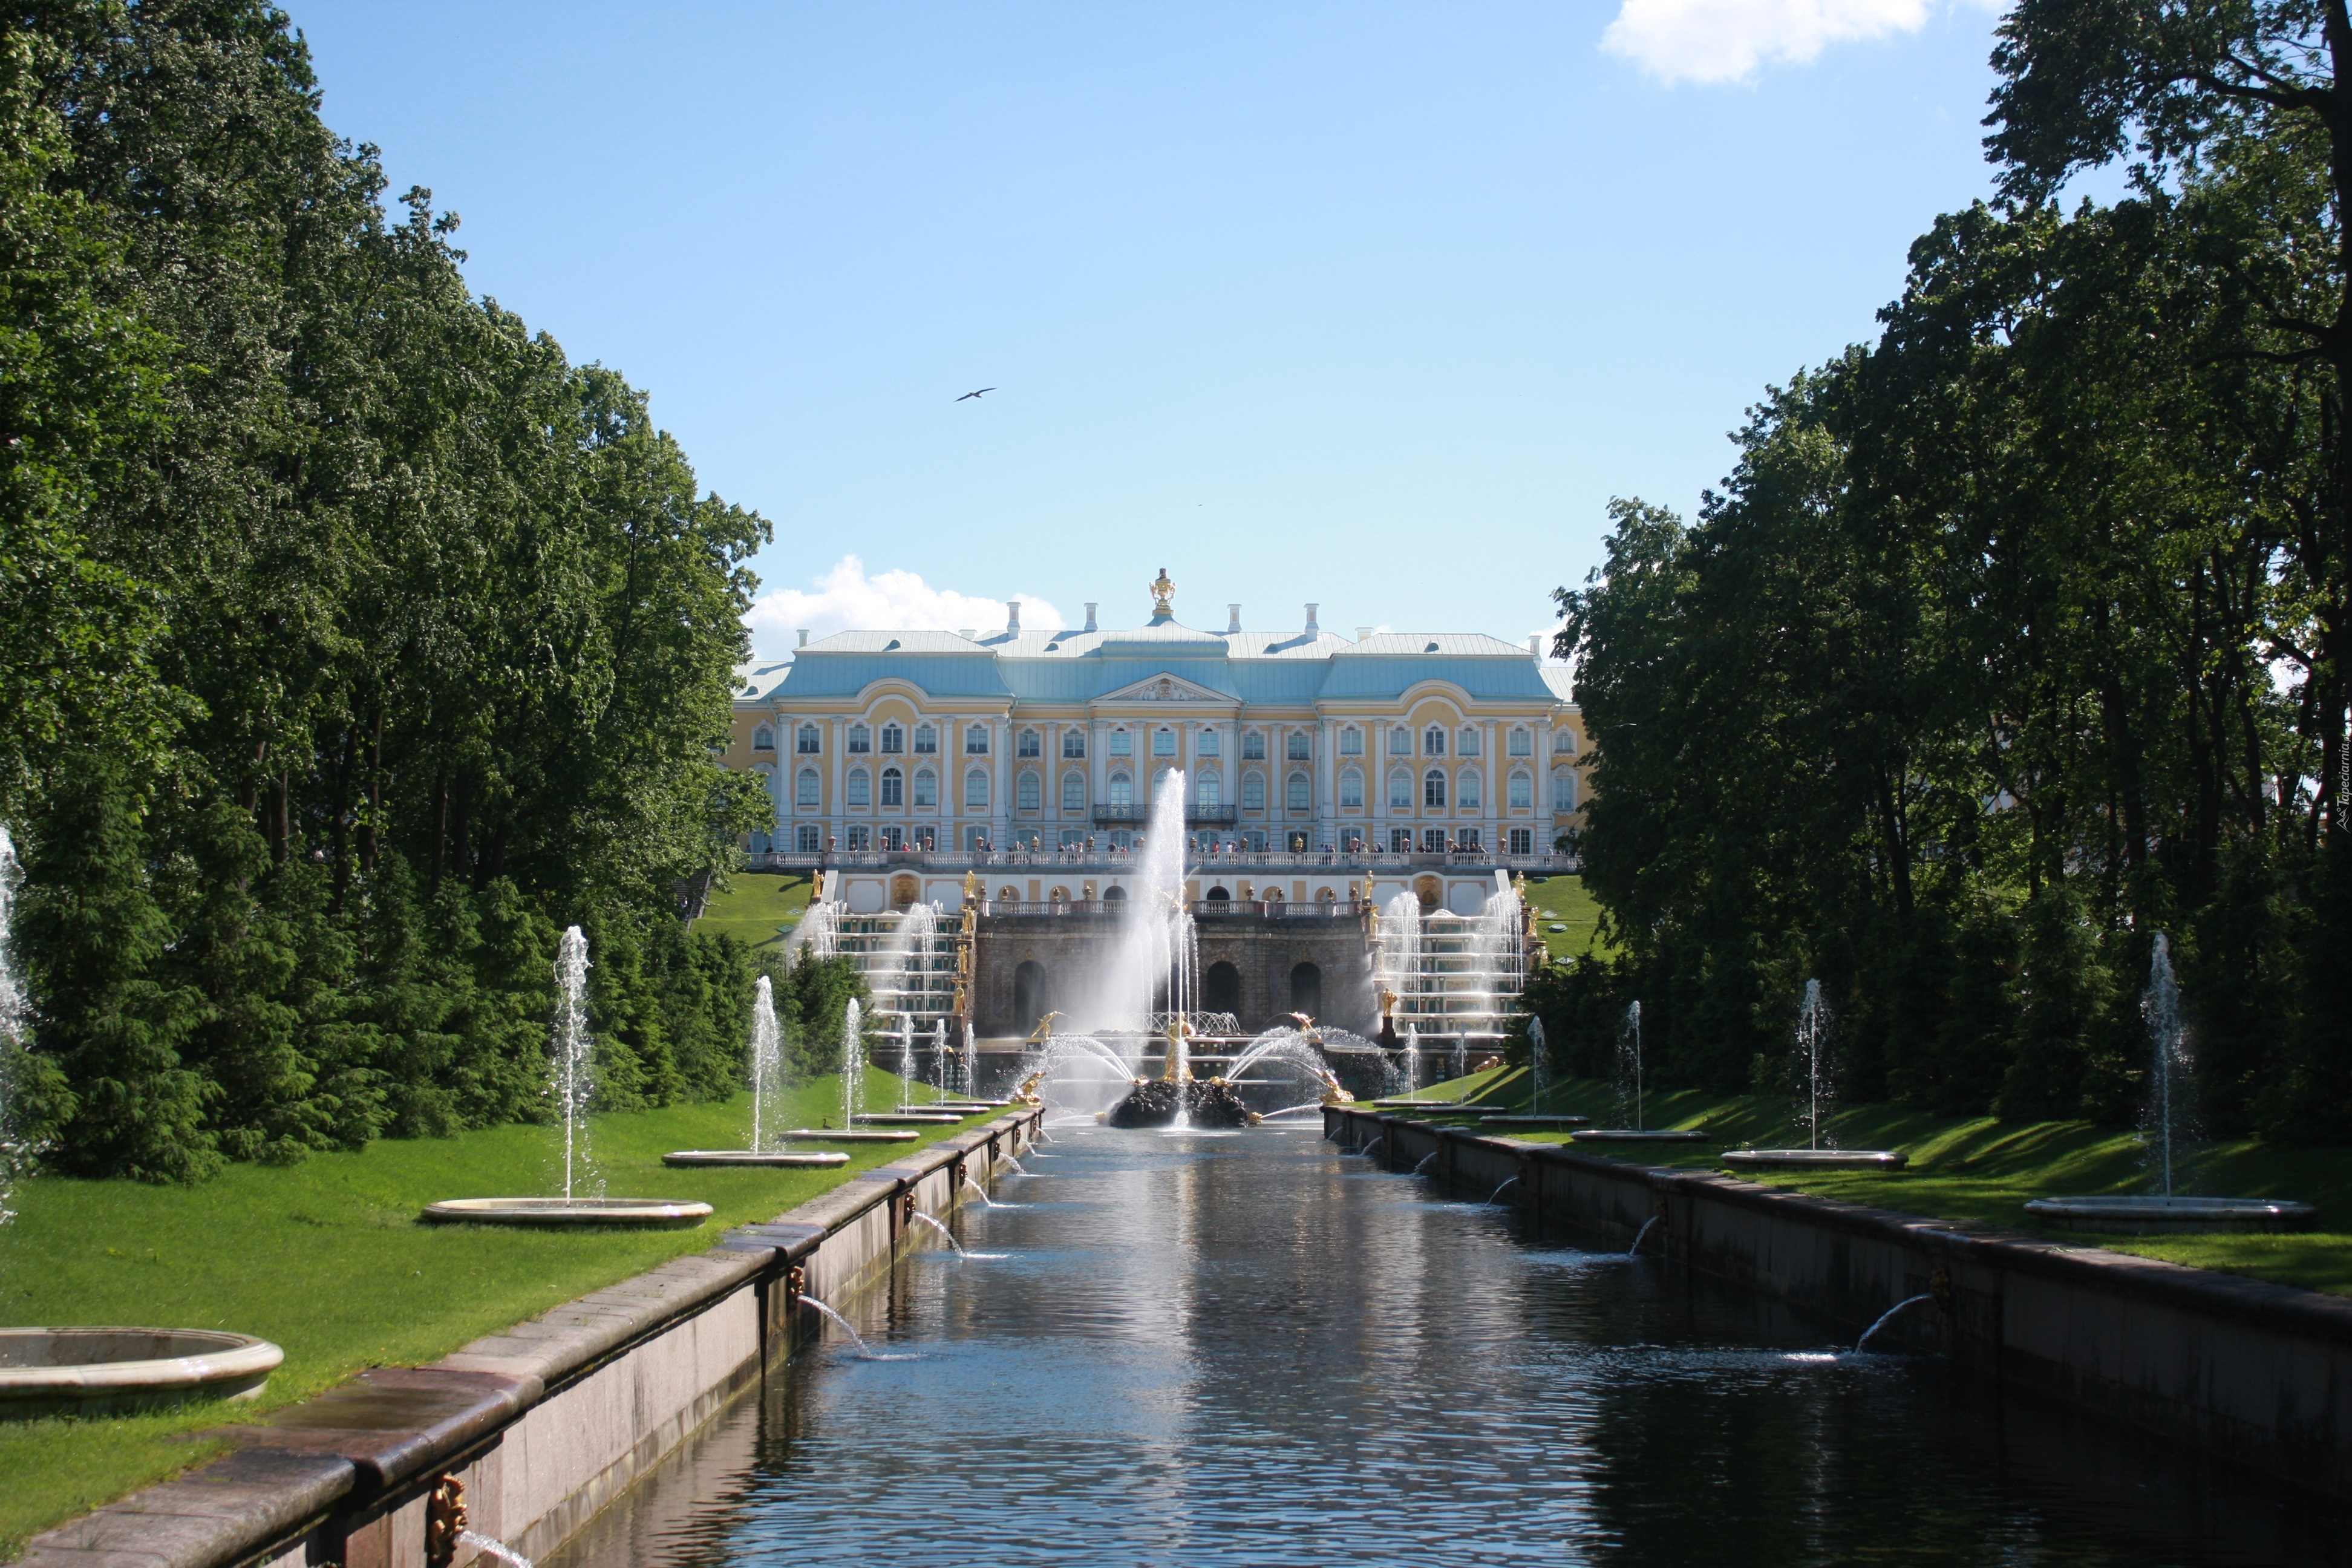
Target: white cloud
[[1726, 40], [846, 599]]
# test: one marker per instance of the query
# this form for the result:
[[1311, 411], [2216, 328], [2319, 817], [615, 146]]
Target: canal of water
[[1250, 1348]]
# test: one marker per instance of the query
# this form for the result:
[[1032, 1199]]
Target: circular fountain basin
[[848, 1136], [642, 1214], [1817, 1159], [1534, 1120], [783, 1159], [1639, 1135], [905, 1119], [2163, 1216], [84, 1370]]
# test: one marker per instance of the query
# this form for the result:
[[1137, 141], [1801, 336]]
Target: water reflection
[[1239, 1350]]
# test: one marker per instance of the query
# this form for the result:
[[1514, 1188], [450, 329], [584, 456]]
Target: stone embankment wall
[[2254, 1372], [534, 1430]]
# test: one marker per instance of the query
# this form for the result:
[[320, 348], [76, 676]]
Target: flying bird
[[968, 396]]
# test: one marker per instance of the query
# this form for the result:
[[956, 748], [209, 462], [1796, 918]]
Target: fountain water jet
[[1816, 1100], [1638, 1234], [945, 1234], [1889, 1316], [574, 1085]]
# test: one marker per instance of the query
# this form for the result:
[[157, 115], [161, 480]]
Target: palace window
[[894, 839], [1029, 746], [975, 739], [1400, 791], [1433, 742], [1253, 792], [1253, 746], [1466, 793], [926, 787], [1159, 781], [1400, 741], [1298, 792], [860, 741], [1563, 743], [1563, 791], [1523, 841], [861, 787], [926, 741], [1205, 745], [894, 788], [1432, 788], [1433, 841], [1074, 791], [808, 741], [1122, 745], [1469, 746], [1207, 789], [1074, 742], [763, 739], [1163, 743], [808, 838], [861, 837], [1027, 791], [1400, 840], [807, 786], [1352, 742], [893, 740], [1300, 746], [1467, 837], [1522, 744], [1351, 788], [1523, 792], [975, 790], [1122, 790]]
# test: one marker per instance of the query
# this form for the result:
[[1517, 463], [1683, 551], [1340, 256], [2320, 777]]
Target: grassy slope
[[1983, 1169], [1562, 900], [756, 905], [327, 1258]]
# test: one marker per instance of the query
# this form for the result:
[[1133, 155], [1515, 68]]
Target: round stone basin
[[906, 1119], [1638, 1135], [49, 1372], [848, 1136], [1417, 1104], [1817, 1159], [642, 1214], [2162, 1216], [781, 1158], [1534, 1120]]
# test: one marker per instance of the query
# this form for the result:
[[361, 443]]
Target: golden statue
[[1045, 1029], [1027, 1093], [1387, 1002], [1333, 1093], [971, 887], [1176, 1071], [962, 1000], [1163, 595]]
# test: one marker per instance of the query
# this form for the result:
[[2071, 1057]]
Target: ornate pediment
[[1163, 689]]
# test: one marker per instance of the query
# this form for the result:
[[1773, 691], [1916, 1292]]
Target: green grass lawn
[[1562, 901], [1983, 1169], [328, 1259], [756, 905]]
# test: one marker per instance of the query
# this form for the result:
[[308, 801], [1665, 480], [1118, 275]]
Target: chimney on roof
[[967, 631], [804, 632], [1363, 632], [1090, 614], [1312, 629], [1535, 645], [1012, 616], [1233, 619]]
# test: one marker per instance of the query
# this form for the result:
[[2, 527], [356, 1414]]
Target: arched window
[[1253, 792], [1207, 744], [1114, 895], [807, 785], [1522, 744], [1523, 792], [1122, 790], [1400, 741], [1253, 746], [1351, 788], [1307, 988], [1352, 742], [926, 787], [926, 740], [1074, 742], [1160, 779], [808, 741], [1208, 790], [975, 739], [1026, 792], [975, 789], [1163, 741], [1433, 742], [1432, 788], [1563, 790], [1400, 791], [1299, 748], [1029, 996], [1074, 791], [1122, 745], [1563, 743], [763, 739], [808, 838], [1469, 743], [1467, 794], [1030, 746], [860, 741], [1296, 791], [894, 788], [1221, 988], [893, 740], [861, 787]]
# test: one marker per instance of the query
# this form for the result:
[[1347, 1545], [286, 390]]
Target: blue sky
[[1373, 305]]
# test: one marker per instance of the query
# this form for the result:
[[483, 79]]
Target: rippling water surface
[[1253, 1349]]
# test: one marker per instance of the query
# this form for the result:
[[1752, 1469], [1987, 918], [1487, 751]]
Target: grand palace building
[[950, 745]]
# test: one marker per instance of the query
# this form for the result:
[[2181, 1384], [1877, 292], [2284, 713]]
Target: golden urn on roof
[[1163, 595]]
